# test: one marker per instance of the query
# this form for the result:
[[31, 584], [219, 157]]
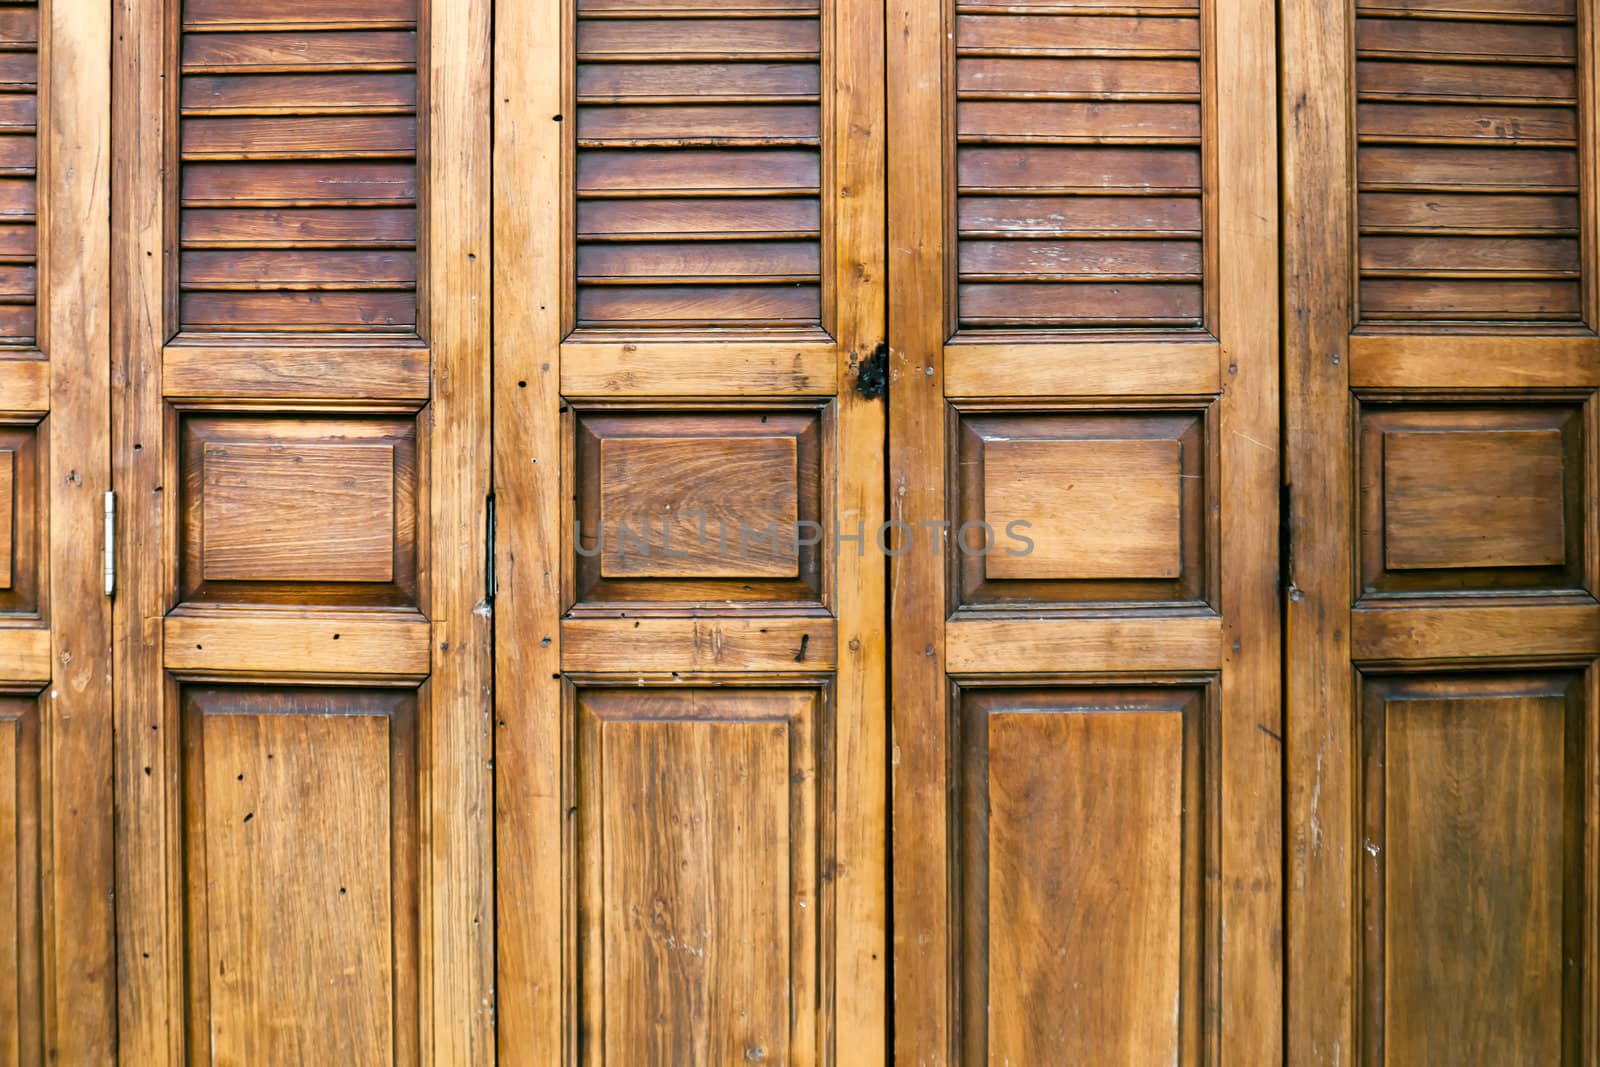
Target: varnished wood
[[193, 372], [685, 645], [1016, 645], [24, 385], [979, 370], [348, 647], [27, 652]]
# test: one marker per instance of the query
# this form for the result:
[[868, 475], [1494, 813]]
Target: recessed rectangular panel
[[1070, 507], [679, 492], [1474, 819], [298, 132], [317, 512], [310, 510], [1080, 844], [300, 808], [21, 517], [1468, 131], [1474, 499], [8, 511], [697, 847], [694, 505], [1094, 509], [1054, 109], [1472, 496]]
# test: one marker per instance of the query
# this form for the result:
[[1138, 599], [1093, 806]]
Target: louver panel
[[19, 73], [1467, 160], [299, 180], [699, 163], [1078, 166]]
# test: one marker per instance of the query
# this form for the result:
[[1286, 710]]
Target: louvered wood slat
[[19, 72]]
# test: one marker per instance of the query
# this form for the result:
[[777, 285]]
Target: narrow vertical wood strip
[[860, 1007], [1251, 909], [530, 75], [458, 889], [1316, 214], [149, 946], [916, 68], [81, 1003]]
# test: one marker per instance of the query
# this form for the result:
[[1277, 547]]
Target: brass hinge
[[111, 542]]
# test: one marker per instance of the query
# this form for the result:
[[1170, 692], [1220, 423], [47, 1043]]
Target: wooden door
[[1440, 234], [1083, 452], [689, 697], [57, 965], [301, 434]]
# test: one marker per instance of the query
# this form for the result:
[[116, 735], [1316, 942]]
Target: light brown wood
[[24, 385], [980, 370], [196, 371], [697, 369], [1431, 633], [982, 646], [27, 653], [1411, 361], [348, 647], [712, 644]]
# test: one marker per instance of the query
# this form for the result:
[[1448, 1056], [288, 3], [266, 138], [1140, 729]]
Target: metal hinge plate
[[110, 560]]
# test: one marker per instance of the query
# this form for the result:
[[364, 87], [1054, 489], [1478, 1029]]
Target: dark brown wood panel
[[1473, 873], [19, 92], [1117, 99], [22, 518], [695, 129], [1465, 126], [284, 108], [301, 865]]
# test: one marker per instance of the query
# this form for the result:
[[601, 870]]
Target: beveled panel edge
[[1176, 368], [592, 645], [670, 369], [1145, 644]]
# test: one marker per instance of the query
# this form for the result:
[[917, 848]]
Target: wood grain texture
[[698, 837], [197, 372], [1473, 813], [343, 89], [706, 644], [348, 647], [1089, 369], [23, 993], [19, 235], [597, 369]]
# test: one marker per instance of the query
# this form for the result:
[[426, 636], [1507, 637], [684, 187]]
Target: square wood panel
[[299, 509], [700, 818], [300, 815], [1473, 876], [694, 506], [22, 519], [1472, 497], [1081, 815], [1072, 507]]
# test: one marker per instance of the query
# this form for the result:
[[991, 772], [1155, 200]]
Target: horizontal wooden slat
[[24, 656], [19, 26], [248, 52], [705, 644], [290, 184], [1448, 80], [1088, 168], [282, 13], [1076, 33], [24, 385], [1001, 646], [1531, 168], [732, 259], [296, 268], [318, 136], [317, 647], [707, 305], [1030, 258], [299, 310], [1089, 369], [1064, 215], [710, 215], [1087, 75], [19, 324], [1496, 254], [1467, 211], [590, 369], [698, 82], [298, 227], [267, 93], [1486, 123], [1468, 361], [1007, 304], [1451, 298], [612, 170], [691, 37], [1503, 42], [696, 124], [255, 372], [1553, 9], [1036, 120], [1459, 633], [19, 70]]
